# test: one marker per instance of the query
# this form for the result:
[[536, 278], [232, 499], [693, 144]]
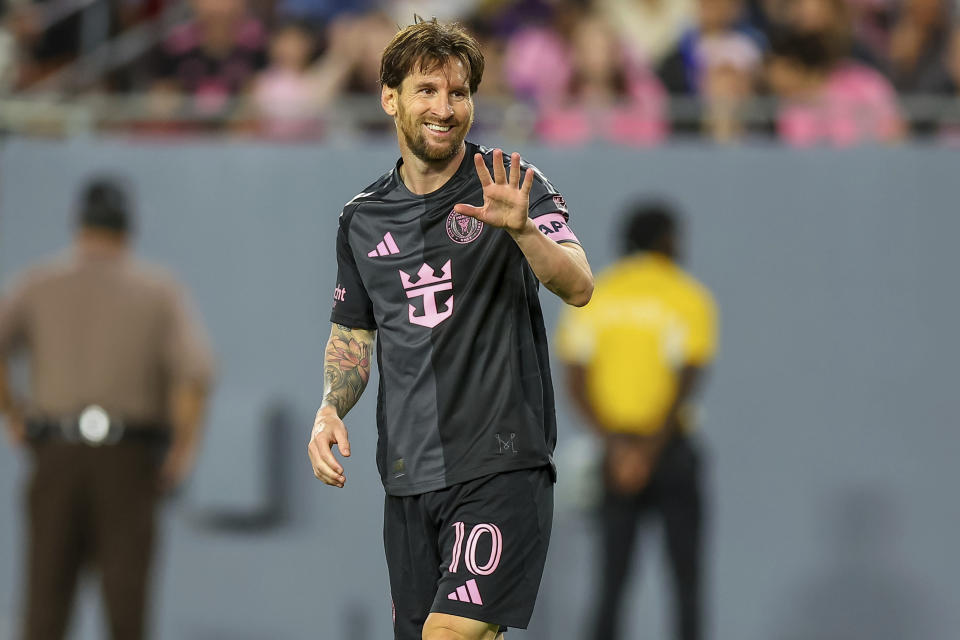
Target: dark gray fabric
[[465, 386]]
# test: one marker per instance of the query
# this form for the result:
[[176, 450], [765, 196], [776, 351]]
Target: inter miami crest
[[463, 229]]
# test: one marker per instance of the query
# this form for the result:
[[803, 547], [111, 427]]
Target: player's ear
[[388, 100]]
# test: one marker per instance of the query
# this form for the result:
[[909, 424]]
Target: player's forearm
[[346, 367], [562, 268]]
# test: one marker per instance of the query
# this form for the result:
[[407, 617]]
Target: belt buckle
[[96, 428]]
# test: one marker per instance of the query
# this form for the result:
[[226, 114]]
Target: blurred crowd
[[631, 72]]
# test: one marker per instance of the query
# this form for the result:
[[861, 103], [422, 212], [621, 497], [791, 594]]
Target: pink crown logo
[[426, 276]]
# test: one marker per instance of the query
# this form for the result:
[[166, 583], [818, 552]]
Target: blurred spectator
[[349, 70], [374, 32], [871, 21], [822, 102], [211, 60], [371, 34], [651, 28], [634, 358], [950, 127], [287, 95], [606, 97], [119, 376], [495, 85], [530, 51], [764, 14], [502, 18], [402, 11], [832, 21], [19, 34], [953, 61], [730, 65], [919, 45], [8, 55], [322, 11], [497, 111], [682, 69]]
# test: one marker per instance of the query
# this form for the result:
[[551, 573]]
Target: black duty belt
[[94, 427]]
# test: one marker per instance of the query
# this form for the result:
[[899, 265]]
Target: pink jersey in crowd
[[286, 102], [641, 121], [857, 105], [540, 71]]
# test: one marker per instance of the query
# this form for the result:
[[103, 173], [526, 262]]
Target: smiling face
[[433, 110]]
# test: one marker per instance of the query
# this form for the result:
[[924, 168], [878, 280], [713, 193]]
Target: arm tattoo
[[346, 367]]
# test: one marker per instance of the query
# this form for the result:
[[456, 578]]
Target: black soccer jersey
[[465, 386]]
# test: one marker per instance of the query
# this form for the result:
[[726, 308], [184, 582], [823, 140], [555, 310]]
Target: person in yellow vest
[[634, 358]]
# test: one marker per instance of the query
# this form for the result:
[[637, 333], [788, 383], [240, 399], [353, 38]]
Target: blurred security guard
[[119, 373], [634, 357]]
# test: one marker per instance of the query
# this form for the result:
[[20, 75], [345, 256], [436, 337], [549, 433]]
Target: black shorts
[[475, 550]]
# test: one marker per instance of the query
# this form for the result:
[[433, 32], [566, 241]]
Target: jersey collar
[[464, 171]]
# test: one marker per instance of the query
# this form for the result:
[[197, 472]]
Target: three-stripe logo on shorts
[[467, 593], [387, 247]]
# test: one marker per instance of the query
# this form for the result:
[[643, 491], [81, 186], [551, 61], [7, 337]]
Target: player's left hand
[[505, 201]]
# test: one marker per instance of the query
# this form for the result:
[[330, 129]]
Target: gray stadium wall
[[830, 414]]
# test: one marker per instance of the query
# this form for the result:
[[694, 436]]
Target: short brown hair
[[428, 44]]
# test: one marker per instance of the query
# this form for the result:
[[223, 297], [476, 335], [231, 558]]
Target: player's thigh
[[443, 626], [413, 562]]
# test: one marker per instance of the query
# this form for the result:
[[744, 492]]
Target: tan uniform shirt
[[103, 329]]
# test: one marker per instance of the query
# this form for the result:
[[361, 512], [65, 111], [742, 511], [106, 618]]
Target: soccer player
[[441, 258]]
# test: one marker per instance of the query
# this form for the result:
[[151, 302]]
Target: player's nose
[[442, 106]]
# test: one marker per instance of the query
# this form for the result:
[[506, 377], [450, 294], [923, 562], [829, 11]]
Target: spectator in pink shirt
[[604, 95], [823, 103], [531, 50], [285, 95], [210, 60]]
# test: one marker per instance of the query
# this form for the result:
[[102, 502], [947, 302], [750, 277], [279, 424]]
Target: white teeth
[[436, 127]]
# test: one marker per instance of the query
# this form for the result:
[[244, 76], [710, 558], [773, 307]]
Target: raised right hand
[[328, 430]]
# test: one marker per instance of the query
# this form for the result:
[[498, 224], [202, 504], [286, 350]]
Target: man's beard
[[419, 146]]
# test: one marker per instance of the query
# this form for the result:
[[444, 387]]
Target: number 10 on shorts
[[470, 553]]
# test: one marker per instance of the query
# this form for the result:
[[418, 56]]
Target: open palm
[[505, 200]]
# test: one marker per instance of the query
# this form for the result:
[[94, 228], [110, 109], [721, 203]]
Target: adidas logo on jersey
[[467, 593], [385, 248]]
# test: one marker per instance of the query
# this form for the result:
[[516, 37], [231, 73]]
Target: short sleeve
[[188, 352], [549, 210], [352, 306], [702, 336]]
